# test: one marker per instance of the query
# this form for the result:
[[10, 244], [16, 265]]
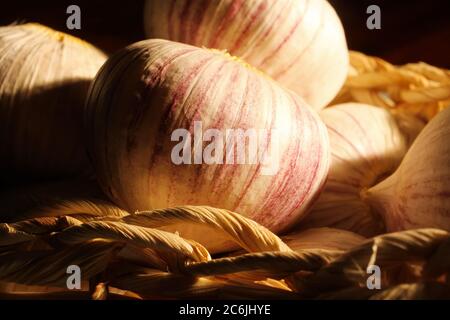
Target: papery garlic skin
[[44, 79], [152, 88], [366, 147], [323, 238], [300, 43], [409, 124], [417, 195]]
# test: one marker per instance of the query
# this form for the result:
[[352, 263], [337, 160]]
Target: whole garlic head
[[299, 43], [44, 79], [366, 147], [155, 88]]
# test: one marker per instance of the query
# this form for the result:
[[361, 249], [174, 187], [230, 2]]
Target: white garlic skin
[[299, 43], [417, 195], [366, 147], [44, 79]]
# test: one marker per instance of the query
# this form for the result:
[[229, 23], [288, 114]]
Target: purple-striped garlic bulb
[[367, 146], [417, 195], [171, 124], [300, 43], [44, 79]]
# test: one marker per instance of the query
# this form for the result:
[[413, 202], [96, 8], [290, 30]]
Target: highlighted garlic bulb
[[366, 147], [150, 92], [300, 43], [417, 195], [44, 78]]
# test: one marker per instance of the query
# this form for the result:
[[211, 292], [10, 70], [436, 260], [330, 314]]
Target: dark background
[[411, 30]]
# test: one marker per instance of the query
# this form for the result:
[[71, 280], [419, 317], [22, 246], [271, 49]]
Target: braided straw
[[420, 89], [128, 255], [98, 247]]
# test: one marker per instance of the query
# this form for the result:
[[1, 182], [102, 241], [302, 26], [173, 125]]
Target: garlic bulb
[[151, 91], [44, 79], [417, 195], [366, 147], [323, 238], [300, 43]]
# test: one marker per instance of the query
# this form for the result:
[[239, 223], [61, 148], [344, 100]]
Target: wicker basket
[[123, 256]]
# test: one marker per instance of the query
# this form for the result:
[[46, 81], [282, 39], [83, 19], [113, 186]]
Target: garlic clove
[[149, 90], [417, 195], [44, 78], [366, 147], [301, 44]]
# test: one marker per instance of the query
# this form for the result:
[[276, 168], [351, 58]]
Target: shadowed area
[[47, 118]]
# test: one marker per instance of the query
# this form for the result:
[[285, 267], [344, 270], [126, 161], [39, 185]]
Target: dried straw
[[419, 88]]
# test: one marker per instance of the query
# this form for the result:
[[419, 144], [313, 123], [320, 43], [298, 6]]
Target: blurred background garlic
[[153, 88], [367, 146], [299, 43], [417, 195], [44, 79]]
